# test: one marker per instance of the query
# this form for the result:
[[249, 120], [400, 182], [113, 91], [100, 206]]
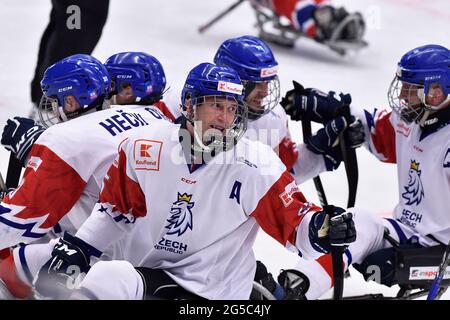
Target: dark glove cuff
[[86, 248]]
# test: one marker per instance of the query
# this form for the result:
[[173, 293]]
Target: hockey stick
[[2, 184], [306, 130], [336, 252], [14, 171], [350, 161], [222, 14], [436, 285]]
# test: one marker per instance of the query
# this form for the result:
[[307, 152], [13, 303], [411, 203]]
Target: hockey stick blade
[[436, 285]]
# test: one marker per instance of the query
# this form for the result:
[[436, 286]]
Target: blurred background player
[[283, 21], [416, 136], [69, 159], [60, 39], [188, 244]]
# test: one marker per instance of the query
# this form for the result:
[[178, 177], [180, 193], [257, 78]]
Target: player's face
[[70, 104], [255, 99], [216, 113], [125, 95], [435, 95], [409, 94]]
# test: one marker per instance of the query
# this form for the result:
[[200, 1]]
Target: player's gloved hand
[[326, 231], [70, 260], [326, 140], [19, 135], [313, 104]]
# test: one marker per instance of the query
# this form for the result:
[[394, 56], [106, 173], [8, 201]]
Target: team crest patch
[[180, 215], [147, 154], [414, 190], [286, 195]]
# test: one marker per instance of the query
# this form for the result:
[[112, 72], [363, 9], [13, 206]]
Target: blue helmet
[[80, 76], [209, 80], [143, 72], [253, 59], [418, 71]]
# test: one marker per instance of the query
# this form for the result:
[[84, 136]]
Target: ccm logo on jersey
[[34, 163], [286, 195], [147, 154]]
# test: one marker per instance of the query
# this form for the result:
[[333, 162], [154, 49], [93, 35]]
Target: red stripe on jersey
[[287, 152], [384, 137], [49, 186], [161, 105], [278, 213], [8, 273], [326, 262], [121, 191]]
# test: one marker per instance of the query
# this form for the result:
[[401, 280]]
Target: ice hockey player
[[416, 136], [185, 201], [68, 161], [283, 21], [255, 63]]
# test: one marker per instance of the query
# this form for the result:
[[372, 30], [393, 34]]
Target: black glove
[[326, 140], [19, 135], [326, 231], [70, 259], [313, 104]]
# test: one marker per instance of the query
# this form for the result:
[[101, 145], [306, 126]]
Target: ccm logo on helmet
[[229, 87], [65, 89]]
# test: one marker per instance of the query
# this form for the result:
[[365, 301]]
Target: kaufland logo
[[269, 72], [229, 87], [286, 195], [145, 150], [147, 154]]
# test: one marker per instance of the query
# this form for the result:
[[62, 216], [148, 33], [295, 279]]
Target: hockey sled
[[274, 29]]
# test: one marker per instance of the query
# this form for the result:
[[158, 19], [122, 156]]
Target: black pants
[[158, 285], [58, 41]]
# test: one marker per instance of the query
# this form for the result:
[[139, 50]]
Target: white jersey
[[199, 223], [269, 129], [423, 165], [66, 167], [272, 129]]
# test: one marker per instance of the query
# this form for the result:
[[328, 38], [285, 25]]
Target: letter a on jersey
[[447, 159], [236, 192]]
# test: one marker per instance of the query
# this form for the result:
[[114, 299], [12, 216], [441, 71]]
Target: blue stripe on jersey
[[27, 227], [349, 257], [398, 229], [23, 263]]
